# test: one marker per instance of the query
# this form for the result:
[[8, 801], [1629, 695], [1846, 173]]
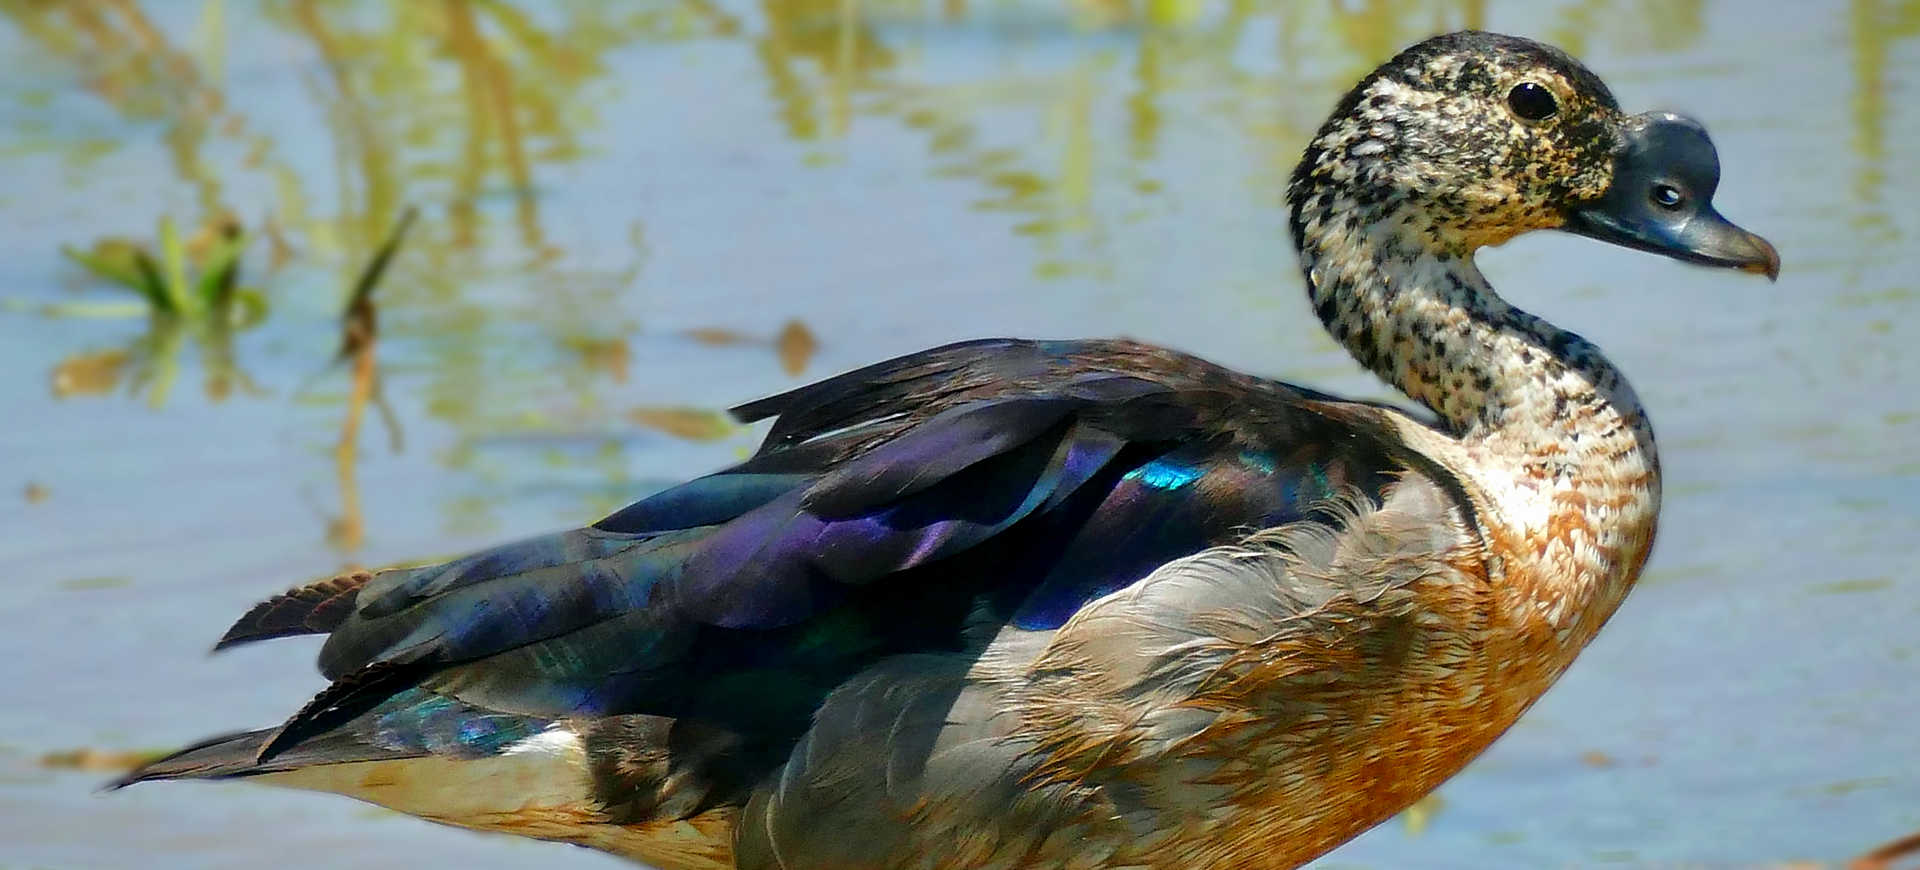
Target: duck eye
[[1668, 197], [1532, 101]]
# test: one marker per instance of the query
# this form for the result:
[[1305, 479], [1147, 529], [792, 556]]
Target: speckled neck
[[1425, 320], [1536, 417]]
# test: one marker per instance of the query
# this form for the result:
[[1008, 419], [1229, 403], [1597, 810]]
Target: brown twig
[[361, 322], [359, 335]]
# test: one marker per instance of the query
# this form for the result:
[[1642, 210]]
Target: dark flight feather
[[888, 512], [342, 702], [411, 724]]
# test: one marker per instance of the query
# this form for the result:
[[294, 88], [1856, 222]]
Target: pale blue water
[[908, 176]]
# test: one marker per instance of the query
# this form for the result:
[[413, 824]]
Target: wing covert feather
[[898, 509]]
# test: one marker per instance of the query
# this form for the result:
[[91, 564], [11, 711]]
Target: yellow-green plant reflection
[[1877, 26], [148, 366], [1078, 117]]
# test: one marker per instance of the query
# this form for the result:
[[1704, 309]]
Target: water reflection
[[122, 56], [464, 106], [1877, 27], [188, 289], [149, 366], [359, 342], [470, 108], [459, 104]]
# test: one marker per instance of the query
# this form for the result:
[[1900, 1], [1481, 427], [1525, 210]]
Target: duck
[[1072, 604]]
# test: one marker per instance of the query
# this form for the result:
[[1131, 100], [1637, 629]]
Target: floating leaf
[[720, 337], [796, 346], [795, 343], [609, 355], [96, 760], [693, 424], [90, 374], [85, 583], [1843, 587]]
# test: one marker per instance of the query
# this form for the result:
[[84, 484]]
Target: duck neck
[[1536, 419]]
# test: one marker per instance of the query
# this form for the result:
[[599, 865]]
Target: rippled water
[[622, 210]]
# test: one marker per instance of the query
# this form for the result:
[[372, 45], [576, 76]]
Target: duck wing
[[913, 506]]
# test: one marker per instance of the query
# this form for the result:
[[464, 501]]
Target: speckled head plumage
[[1476, 137], [1468, 140]]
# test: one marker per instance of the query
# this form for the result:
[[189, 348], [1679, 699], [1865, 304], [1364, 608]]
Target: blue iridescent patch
[[421, 720], [1166, 473], [1258, 461]]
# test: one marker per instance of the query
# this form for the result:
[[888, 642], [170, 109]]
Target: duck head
[[1471, 138]]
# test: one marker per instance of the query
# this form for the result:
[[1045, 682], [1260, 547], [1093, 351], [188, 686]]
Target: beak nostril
[[1661, 200]]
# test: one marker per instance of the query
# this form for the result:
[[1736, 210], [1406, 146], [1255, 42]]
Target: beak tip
[[1768, 261]]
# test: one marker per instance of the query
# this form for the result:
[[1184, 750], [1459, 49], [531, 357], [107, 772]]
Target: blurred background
[[631, 216]]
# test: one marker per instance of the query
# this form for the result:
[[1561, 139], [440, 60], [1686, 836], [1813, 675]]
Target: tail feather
[[435, 759], [235, 755], [316, 608], [220, 757]]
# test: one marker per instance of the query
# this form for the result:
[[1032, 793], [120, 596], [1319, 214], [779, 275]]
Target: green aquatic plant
[[181, 280], [187, 287]]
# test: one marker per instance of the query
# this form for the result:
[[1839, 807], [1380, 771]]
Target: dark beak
[[1661, 200]]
